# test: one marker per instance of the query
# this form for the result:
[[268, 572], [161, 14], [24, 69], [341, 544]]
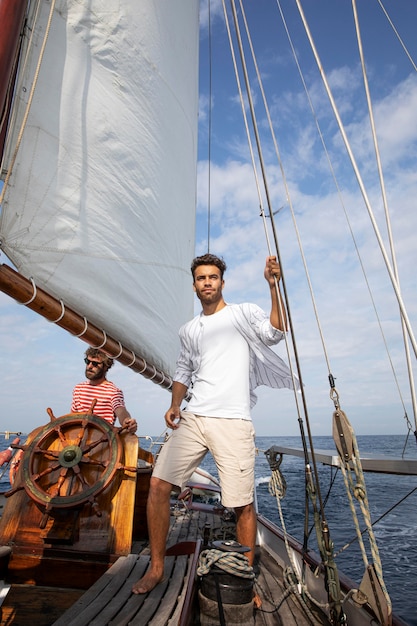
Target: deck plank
[[93, 600], [111, 601], [163, 598], [115, 606], [142, 607], [188, 592]]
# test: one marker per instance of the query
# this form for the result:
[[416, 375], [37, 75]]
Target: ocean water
[[396, 532]]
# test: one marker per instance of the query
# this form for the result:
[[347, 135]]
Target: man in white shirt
[[224, 356]]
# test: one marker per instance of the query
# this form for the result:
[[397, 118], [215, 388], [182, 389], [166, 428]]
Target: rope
[[231, 562], [343, 206], [397, 35], [375, 522], [361, 184], [385, 203], [277, 487], [291, 584], [353, 476], [29, 102]]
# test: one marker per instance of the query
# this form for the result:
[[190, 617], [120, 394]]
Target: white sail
[[104, 180]]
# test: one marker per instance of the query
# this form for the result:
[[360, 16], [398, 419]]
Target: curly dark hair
[[208, 259], [94, 352]]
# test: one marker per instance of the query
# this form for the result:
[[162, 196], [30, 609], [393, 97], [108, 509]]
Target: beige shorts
[[232, 445]]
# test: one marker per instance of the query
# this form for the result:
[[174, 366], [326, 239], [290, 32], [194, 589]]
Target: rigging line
[[262, 211], [376, 559], [254, 123], [277, 488], [381, 517], [260, 154], [410, 430], [209, 129], [250, 100], [360, 181], [397, 34], [255, 172], [352, 234], [385, 202], [245, 121], [306, 453], [353, 475], [29, 102], [289, 197]]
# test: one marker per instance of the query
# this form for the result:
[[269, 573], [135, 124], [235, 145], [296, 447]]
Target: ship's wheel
[[70, 461]]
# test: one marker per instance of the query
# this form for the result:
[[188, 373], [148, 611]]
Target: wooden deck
[[110, 600], [174, 602]]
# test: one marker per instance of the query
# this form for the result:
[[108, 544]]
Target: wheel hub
[[70, 456]]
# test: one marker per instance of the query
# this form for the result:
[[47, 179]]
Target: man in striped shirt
[[225, 354], [109, 399]]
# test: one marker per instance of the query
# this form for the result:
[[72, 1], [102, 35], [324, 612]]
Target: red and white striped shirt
[[108, 397]]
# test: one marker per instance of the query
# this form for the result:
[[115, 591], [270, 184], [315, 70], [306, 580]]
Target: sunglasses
[[93, 363]]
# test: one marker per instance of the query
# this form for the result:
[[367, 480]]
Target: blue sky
[[40, 363]]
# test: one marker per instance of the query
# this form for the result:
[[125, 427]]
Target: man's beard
[[94, 375]]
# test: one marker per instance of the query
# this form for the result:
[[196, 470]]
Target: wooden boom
[[25, 292]]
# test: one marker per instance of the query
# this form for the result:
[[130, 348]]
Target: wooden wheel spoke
[[80, 476], [93, 444], [52, 455], [89, 461], [81, 434], [46, 471], [61, 435], [54, 491]]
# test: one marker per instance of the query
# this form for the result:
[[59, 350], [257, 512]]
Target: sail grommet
[[33, 295], [58, 319]]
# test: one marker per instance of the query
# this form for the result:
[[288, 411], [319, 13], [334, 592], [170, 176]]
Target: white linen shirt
[[266, 367]]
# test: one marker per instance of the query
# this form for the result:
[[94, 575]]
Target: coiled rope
[[234, 563]]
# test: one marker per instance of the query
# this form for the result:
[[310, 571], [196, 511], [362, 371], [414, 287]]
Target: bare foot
[[147, 582]]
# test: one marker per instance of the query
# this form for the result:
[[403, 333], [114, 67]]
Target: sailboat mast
[[12, 15]]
